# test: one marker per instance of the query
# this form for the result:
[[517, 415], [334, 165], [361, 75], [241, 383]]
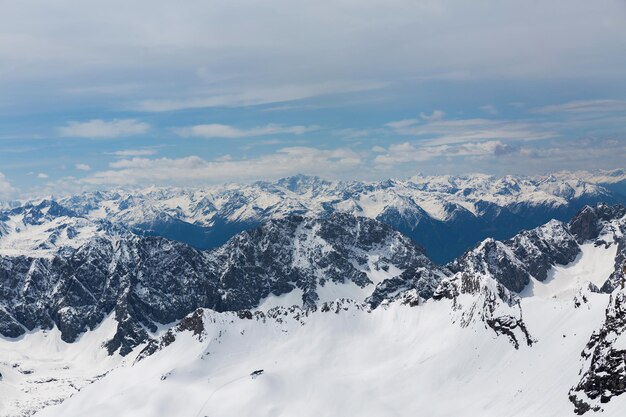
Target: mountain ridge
[[464, 209]]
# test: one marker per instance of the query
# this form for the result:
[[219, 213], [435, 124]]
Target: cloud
[[256, 96], [351, 133], [133, 152], [98, 128], [6, 189], [261, 56], [193, 169], [489, 109], [434, 116], [435, 129], [584, 106], [83, 167], [42, 175], [231, 132], [411, 152]]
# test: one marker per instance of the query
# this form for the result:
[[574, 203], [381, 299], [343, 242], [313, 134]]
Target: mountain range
[[314, 301], [446, 215]]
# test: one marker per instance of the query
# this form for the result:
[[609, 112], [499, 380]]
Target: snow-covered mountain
[[613, 180], [114, 289], [374, 324], [476, 348], [151, 281], [446, 215]]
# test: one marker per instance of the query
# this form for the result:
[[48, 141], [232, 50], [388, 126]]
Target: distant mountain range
[[446, 215]]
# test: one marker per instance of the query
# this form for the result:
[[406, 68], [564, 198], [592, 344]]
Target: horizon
[[602, 178]]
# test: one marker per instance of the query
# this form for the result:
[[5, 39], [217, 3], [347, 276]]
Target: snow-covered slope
[[345, 360], [40, 369], [446, 214]]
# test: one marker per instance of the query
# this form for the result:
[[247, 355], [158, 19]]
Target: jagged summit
[[148, 281], [91, 270]]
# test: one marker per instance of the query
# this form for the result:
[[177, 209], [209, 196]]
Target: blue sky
[[106, 94]]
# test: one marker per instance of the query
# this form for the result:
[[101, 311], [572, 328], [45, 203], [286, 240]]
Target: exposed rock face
[[605, 360], [604, 220], [90, 269], [591, 221], [71, 272], [487, 278], [80, 271], [477, 295], [604, 356], [528, 255], [151, 280], [532, 253]]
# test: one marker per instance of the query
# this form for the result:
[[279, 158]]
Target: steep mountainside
[[148, 281]]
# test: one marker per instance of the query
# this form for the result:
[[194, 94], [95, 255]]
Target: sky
[[112, 94]]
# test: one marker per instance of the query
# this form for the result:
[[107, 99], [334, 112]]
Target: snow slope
[[346, 359], [502, 334], [397, 361], [39, 369], [594, 265]]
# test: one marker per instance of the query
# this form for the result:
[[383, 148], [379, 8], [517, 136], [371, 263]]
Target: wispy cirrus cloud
[[351, 133], [216, 130], [584, 106], [489, 109], [104, 129], [435, 129], [124, 153], [412, 152], [256, 96]]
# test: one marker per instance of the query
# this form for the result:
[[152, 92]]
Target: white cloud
[[256, 96], [231, 132], [351, 133], [83, 167], [286, 161], [6, 189], [489, 109], [42, 175], [434, 116], [411, 152], [98, 128], [436, 130], [133, 152], [261, 56], [585, 106]]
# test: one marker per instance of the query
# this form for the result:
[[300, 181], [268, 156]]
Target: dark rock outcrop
[[145, 281], [605, 372]]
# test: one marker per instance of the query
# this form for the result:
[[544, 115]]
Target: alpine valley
[[438, 296]]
